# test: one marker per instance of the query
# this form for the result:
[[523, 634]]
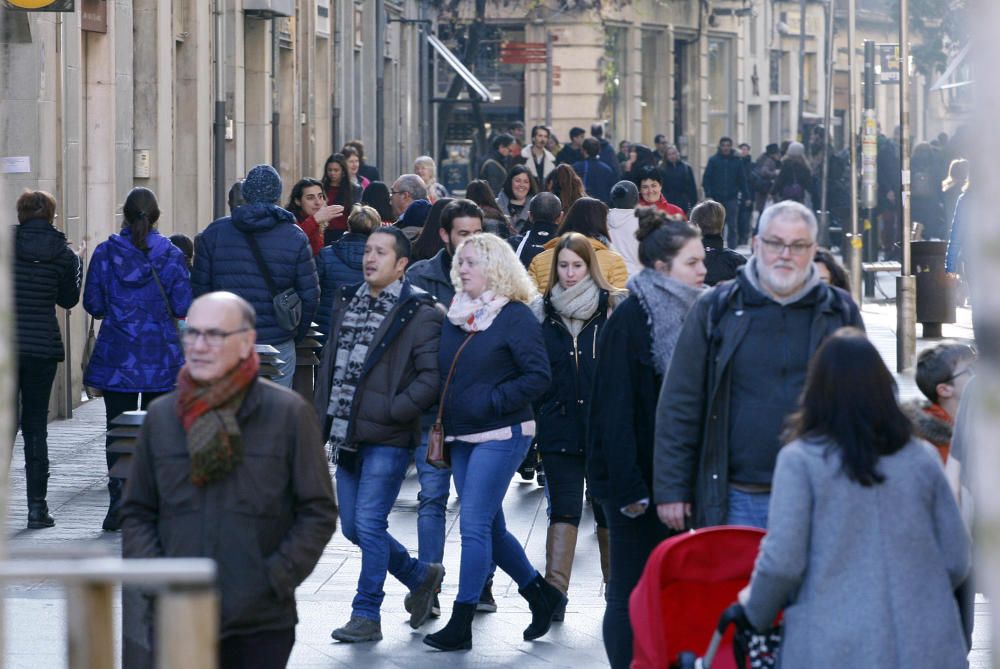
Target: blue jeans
[[365, 496], [748, 508], [435, 486], [286, 353], [733, 207], [482, 475]]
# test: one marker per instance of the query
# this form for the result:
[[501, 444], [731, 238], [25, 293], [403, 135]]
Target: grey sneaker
[[435, 607], [358, 630], [422, 597], [486, 602]]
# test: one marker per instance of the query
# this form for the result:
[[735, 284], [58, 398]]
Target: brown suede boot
[[560, 547], [603, 537]]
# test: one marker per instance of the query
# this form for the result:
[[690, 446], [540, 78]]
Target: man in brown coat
[[378, 375], [232, 467]]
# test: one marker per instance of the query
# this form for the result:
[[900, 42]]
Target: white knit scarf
[[475, 314]]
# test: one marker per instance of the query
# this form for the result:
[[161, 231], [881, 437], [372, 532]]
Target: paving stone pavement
[[35, 616]]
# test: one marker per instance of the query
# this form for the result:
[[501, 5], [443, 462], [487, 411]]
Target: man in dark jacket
[[763, 174], [679, 186], [725, 182], [739, 367], [224, 259], [544, 215], [494, 168], [263, 511], [597, 177], [606, 154], [571, 152], [722, 264], [379, 374]]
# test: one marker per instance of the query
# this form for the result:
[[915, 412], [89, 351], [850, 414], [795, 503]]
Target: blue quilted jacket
[[223, 261], [339, 264], [137, 347]]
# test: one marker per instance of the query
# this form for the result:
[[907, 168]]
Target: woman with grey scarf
[[634, 354], [576, 309]]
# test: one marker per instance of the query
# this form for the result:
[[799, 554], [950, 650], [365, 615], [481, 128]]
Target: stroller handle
[[734, 615]]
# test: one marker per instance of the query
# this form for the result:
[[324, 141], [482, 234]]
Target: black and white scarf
[[362, 319], [666, 302]]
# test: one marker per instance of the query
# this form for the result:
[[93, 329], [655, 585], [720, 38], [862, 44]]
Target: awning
[[943, 81], [460, 69]]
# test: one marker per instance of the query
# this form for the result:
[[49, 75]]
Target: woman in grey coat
[[865, 544]]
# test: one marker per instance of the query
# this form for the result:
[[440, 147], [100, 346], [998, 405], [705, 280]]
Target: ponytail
[[141, 214]]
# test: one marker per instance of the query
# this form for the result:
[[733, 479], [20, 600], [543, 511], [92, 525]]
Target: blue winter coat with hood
[[138, 348], [339, 264], [223, 261]]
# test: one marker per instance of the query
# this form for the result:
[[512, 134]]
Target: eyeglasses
[[777, 247], [970, 370], [397, 192], [213, 338]]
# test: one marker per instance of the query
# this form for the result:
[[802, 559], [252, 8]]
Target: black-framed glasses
[[213, 338], [778, 246], [970, 370]]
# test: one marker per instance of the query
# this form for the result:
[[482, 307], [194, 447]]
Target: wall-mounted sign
[[94, 16], [15, 165], [40, 5], [888, 55], [323, 18]]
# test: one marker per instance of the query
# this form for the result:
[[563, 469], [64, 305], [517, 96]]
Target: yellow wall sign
[[40, 5]]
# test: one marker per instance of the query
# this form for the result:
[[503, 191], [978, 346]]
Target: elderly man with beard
[[741, 363]]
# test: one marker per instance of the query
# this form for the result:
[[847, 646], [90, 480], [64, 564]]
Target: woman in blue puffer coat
[[341, 263], [137, 286]]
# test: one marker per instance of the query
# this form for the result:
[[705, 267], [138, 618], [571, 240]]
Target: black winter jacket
[[265, 524], [532, 242], [223, 261], [679, 186], [693, 413], [434, 276], [561, 415], [725, 178], [46, 273], [722, 263], [623, 409], [399, 380]]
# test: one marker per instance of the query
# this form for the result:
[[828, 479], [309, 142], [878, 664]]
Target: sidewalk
[[35, 616]]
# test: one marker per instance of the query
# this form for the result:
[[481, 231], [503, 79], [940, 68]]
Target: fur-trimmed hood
[[929, 421]]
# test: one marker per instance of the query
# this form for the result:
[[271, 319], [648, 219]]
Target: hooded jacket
[[612, 266], [138, 348], [339, 264], [622, 225], [695, 410], [434, 276], [223, 261], [46, 273]]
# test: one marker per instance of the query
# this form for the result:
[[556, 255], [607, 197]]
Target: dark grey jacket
[[434, 276], [400, 378], [265, 525], [691, 459]]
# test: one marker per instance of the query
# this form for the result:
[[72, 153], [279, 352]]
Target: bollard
[[90, 628], [268, 362], [306, 362]]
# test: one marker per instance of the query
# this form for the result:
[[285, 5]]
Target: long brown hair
[[581, 246], [565, 184]]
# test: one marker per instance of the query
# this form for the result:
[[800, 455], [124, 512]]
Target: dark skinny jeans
[[564, 478]]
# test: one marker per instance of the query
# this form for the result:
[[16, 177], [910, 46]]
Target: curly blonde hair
[[505, 275]]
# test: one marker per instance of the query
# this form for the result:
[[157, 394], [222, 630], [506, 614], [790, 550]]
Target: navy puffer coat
[[223, 261], [46, 273], [339, 264], [137, 348]]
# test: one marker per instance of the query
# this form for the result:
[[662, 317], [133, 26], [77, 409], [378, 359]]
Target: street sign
[[522, 53], [888, 55], [39, 5]]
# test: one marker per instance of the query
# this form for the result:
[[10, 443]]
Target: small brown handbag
[[438, 453]]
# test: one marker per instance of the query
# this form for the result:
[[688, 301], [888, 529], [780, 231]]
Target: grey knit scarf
[[666, 302], [576, 304]]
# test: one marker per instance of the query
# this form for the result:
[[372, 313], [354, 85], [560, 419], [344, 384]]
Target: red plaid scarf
[[208, 414]]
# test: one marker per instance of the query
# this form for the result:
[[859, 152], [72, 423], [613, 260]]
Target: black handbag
[[287, 303]]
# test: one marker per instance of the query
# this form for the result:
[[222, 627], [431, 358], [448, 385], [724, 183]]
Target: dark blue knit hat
[[263, 184]]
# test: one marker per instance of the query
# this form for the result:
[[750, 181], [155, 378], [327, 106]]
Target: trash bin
[[935, 289]]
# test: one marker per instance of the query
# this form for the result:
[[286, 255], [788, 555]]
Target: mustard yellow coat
[[612, 265]]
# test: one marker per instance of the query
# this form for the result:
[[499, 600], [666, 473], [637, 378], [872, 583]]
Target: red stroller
[[687, 582]]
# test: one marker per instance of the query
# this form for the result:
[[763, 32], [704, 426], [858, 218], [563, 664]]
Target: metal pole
[[824, 209], [906, 283], [855, 242], [220, 111], [548, 80], [869, 166], [380, 84], [802, 67], [275, 104], [426, 141]]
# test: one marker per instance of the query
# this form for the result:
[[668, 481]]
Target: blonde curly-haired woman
[[494, 341]]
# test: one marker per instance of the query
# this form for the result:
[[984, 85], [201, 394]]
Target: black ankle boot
[[112, 521], [457, 634], [545, 600], [36, 470]]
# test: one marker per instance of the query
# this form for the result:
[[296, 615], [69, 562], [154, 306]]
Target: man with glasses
[[740, 365], [232, 467], [405, 191], [943, 372]]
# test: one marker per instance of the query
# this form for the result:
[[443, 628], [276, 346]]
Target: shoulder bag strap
[[451, 373], [166, 300], [255, 249]]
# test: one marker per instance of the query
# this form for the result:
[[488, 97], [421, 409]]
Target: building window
[[614, 65], [720, 89]]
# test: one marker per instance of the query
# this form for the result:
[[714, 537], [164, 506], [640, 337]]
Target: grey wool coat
[[866, 575]]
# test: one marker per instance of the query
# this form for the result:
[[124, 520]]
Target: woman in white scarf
[[577, 306]]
